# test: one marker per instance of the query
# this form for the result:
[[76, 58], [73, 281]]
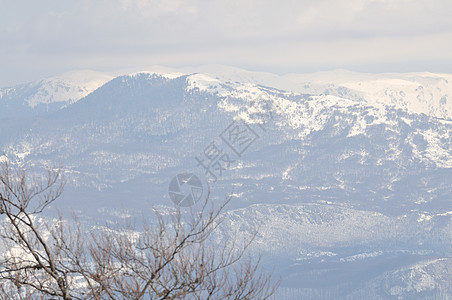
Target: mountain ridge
[[338, 184], [433, 97]]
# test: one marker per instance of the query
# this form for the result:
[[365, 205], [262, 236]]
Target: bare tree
[[179, 255], [29, 259]]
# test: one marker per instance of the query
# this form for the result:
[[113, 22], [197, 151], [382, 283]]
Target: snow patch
[[68, 87]]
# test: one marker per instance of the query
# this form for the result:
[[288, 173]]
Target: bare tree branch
[[175, 256]]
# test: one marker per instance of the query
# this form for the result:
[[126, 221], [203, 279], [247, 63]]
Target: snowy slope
[[68, 87], [49, 94], [426, 93], [349, 180]]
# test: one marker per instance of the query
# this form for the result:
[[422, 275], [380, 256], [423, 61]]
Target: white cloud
[[50, 35]]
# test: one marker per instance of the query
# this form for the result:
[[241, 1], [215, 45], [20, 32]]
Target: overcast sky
[[47, 37]]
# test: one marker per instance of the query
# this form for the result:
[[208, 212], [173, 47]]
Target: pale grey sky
[[46, 37]]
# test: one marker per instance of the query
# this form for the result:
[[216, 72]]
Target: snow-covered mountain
[[50, 94], [348, 176], [423, 93]]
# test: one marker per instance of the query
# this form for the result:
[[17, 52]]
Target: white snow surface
[[422, 92], [68, 87]]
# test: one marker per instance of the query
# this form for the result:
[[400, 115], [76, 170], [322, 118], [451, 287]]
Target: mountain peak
[[67, 87]]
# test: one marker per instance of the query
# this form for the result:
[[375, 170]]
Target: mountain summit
[[348, 175]]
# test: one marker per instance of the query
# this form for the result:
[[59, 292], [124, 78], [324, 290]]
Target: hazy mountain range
[[348, 175]]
